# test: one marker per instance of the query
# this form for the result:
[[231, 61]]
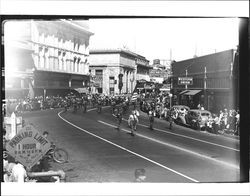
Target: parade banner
[[28, 146]]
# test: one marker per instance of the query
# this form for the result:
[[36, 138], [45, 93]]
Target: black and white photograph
[[116, 99]]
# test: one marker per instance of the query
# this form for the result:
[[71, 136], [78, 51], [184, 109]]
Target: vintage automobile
[[198, 119]]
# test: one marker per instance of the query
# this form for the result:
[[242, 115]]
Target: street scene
[[91, 101]]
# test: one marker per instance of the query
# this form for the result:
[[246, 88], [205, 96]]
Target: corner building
[[107, 64], [46, 57], [215, 81]]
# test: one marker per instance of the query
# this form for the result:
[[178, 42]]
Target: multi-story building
[[162, 64], [106, 65], [45, 57], [211, 80], [142, 68], [161, 70]]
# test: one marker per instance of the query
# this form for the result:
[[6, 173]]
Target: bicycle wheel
[[60, 155]]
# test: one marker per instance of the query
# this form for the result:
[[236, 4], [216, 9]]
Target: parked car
[[198, 119]]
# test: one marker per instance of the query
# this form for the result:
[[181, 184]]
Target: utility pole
[[186, 76], [205, 88]]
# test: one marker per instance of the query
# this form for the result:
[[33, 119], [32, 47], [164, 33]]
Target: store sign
[[158, 73], [28, 146], [185, 81]]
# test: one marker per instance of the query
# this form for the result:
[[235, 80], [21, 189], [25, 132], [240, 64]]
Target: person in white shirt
[[133, 120]]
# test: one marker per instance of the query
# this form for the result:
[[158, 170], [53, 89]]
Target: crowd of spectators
[[71, 100], [227, 121]]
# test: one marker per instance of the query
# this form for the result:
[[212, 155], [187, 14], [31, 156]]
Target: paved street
[[100, 153]]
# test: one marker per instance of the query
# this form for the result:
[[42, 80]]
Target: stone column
[[22, 83], [124, 82], [31, 88], [129, 86]]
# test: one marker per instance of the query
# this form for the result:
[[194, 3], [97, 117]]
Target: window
[[99, 77], [111, 85]]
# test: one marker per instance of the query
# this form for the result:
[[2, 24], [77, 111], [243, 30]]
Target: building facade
[[46, 57], [161, 70], [142, 68], [107, 65], [210, 80]]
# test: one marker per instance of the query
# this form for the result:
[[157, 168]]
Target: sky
[[155, 38]]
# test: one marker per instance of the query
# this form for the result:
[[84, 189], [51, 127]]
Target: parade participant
[[113, 106], [65, 105], [171, 118], [119, 118], [84, 105], [151, 118], [215, 124], [74, 106], [99, 106], [133, 120]]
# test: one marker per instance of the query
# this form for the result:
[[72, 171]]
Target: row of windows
[[64, 65], [55, 41]]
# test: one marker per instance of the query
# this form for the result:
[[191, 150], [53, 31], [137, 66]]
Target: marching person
[[65, 103], [84, 105], [74, 105], [99, 105], [151, 118], [133, 120], [171, 119], [119, 119]]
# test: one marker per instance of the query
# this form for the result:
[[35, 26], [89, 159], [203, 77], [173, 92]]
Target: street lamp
[[170, 99]]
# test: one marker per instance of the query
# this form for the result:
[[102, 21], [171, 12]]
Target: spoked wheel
[[60, 155]]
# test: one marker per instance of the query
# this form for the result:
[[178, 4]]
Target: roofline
[[203, 56], [77, 26], [118, 50]]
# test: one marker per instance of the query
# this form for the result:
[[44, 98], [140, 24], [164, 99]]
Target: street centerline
[[178, 148], [127, 150], [203, 141]]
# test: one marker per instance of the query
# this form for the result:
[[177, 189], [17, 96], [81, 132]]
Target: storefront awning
[[192, 92], [81, 90], [185, 91]]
